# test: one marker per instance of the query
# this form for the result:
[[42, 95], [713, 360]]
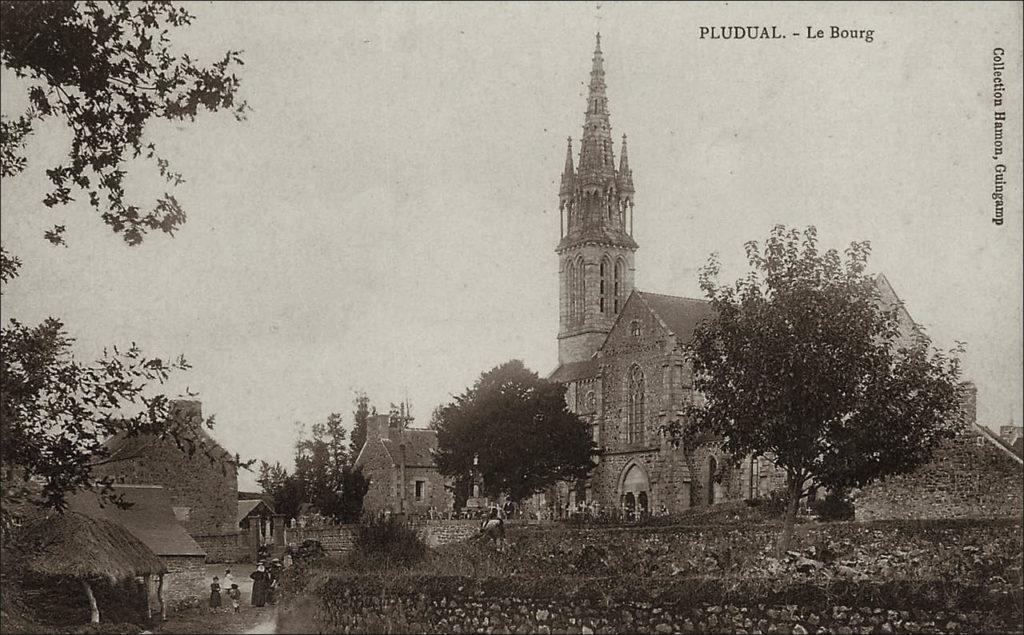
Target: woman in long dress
[[260, 584]]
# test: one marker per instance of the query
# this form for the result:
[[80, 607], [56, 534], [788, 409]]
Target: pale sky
[[386, 218]]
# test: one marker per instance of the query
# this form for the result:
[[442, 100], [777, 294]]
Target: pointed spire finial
[[623, 158], [568, 157], [598, 49]]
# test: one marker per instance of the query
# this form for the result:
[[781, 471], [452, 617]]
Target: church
[[620, 350]]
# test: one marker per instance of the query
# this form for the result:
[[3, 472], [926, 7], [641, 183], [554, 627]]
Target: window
[[634, 328], [419, 489], [617, 288], [577, 290], [635, 406], [603, 303], [712, 473]]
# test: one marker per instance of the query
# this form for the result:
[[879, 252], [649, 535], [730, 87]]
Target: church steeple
[[596, 248]]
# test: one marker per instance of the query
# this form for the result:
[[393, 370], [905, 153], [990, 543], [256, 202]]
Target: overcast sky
[[386, 218]]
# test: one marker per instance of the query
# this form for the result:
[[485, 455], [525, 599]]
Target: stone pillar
[[278, 530], [254, 538]]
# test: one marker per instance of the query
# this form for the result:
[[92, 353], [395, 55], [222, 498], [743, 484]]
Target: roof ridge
[[675, 297]]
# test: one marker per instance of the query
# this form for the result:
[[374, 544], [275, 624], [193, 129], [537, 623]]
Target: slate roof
[[574, 371], [418, 446], [679, 315], [150, 518], [246, 507]]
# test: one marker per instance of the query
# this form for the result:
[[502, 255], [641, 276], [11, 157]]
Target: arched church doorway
[[635, 490]]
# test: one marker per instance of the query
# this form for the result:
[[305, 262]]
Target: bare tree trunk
[[794, 489], [93, 609], [160, 597]]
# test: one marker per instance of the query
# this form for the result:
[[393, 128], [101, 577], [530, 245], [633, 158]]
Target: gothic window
[[617, 285], [605, 270], [634, 328], [635, 406], [581, 291], [570, 285]]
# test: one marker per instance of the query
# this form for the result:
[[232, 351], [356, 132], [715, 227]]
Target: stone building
[[150, 518], [202, 485], [622, 352], [399, 462]]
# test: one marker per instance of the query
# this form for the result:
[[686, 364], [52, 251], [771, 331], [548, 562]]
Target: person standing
[[215, 594], [235, 596], [260, 586]]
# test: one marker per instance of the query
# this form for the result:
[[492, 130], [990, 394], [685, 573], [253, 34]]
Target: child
[[235, 596], [215, 594]]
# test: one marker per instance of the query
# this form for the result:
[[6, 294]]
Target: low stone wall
[[442, 605], [336, 540], [340, 539], [967, 478], [226, 547]]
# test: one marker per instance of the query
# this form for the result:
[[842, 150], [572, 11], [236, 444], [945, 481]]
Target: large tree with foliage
[[323, 475], [514, 429], [106, 70], [805, 363]]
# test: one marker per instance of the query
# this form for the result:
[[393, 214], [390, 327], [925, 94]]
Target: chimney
[[377, 427]]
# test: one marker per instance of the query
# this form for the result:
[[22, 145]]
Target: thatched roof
[[73, 545]]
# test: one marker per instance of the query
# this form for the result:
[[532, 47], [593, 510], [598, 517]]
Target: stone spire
[[568, 174], [596, 142], [625, 175], [595, 198]]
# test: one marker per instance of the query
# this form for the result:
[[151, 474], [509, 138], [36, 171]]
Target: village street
[[249, 619]]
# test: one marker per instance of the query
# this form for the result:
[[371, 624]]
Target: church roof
[[679, 315], [574, 371], [149, 518]]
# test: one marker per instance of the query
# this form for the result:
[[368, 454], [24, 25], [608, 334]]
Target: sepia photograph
[[511, 317]]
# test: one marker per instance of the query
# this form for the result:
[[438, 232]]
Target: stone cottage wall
[[203, 492], [185, 582]]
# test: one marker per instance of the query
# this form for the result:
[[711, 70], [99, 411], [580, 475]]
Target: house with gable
[[399, 463]]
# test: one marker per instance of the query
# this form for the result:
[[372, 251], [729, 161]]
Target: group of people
[[234, 594], [265, 584]]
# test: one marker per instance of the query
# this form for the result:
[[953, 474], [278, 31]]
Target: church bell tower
[[596, 250]]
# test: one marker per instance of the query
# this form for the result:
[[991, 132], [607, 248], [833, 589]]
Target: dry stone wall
[[340, 539], [460, 606], [968, 478]]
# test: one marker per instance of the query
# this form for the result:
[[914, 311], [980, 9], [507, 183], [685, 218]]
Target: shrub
[[388, 541], [774, 505], [836, 505]]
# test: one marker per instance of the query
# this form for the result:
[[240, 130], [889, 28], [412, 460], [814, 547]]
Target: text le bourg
[[774, 33]]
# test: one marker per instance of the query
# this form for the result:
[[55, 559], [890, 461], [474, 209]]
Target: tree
[[514, 429], [323, 476], [803, 362], [360, 417], [287, 491], [106, 69]]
